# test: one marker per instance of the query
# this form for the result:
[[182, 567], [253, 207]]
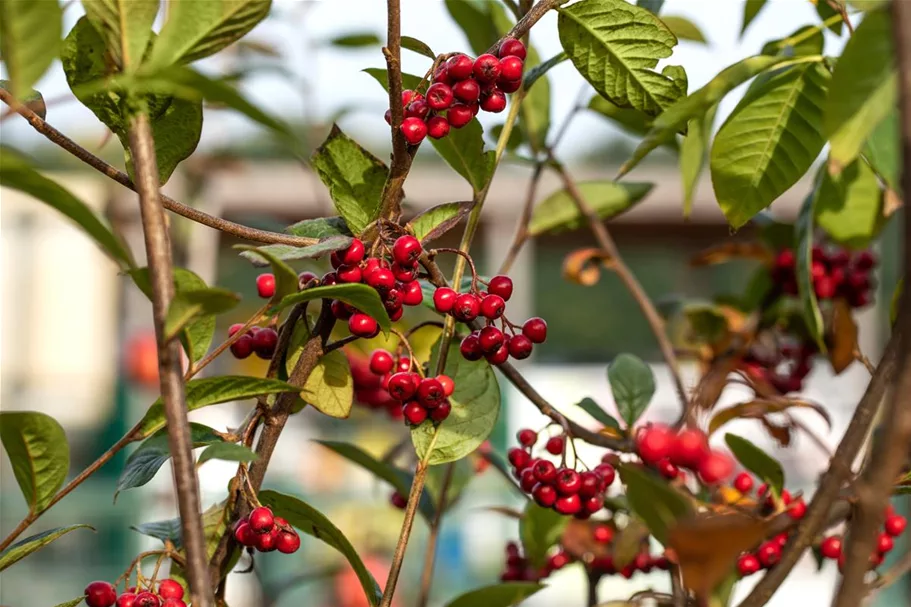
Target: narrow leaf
[[750, 11], [540, 529], [30, 33], [608, 199], [803, 234], [684, 29], [658, 504], [23, 548], [533, 74], [756, 461], [286, 252], [38, 453], [633, 122], [165, 531], [633, 385], [849, 207], [415, 45], [357, 40], [322, 227], [229, 452], [476, 22], [190, 305], [463, 150], [594, 409], [362, 297], [806, 41], [125, 25], [436, 221], [497, 595]]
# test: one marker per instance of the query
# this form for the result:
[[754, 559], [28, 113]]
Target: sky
[[327, 79]]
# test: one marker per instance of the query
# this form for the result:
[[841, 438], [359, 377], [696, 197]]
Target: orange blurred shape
[[141, 358], [348, 589]]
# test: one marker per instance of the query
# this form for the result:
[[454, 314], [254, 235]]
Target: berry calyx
[[430, 392], [535, 329], [414, 130], [100, 594], [146, 599], [265, 285], [362, 325], [545, 472]]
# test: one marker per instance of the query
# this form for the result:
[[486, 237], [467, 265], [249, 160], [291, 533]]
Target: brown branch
[[839, 7], [890, 452], [417, 487], [161, 277], [401, 155], [222, 225], [430, 552]]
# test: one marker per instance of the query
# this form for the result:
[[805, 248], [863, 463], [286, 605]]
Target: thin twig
[[222, 225], [161, 275], [839, 7], [202, 364], [521, 236], [430, 552]]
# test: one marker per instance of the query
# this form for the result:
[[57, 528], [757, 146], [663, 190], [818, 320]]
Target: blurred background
[[77, 341]]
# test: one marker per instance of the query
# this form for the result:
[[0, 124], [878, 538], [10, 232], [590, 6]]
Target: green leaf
[[475, 408], [357, 40], [322, 227], [558, 212], [38, 453], [882, 151], [214, 525], [30, 34], [684, 29], [187, 306], [354, 176], [633, 385], [400, 480], [463, 150], [72, 602], [312, 522], [330, 387], [286, 280], [474, 17], [360, 296], [16, 173], [144, 463], [416, 46], [125, 26], [436, 221], [212, 391], [828, 14], [533, 74], [756, 461], [750, 11], [658, 504], [540, 529], [616, 46], [600, 415], [23, 548], [286, 252], [629, 120], [769, 141], [195, 30], [693, 155], [229, 452], [166, 531], [653, 6], [849, 207], [409, 81], [803, 235], [863, 91], [497, 595], [806, 41], [462, 473]]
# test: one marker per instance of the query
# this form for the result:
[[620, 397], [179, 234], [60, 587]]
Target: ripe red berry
[[607, 473], [527, 480], [603, 534], [715, 468], [261, 520], [409, 95], [100, 594], [414, 413], [895, 525], [769, 553], [519, 458], [743, 482], [831, 547], [500, 285], [568, 504], [558, 561], [492, 306], [354, 253], [592, 505], [288, 542], [340, 310], [174, 603], [442, 75], [265, 285], [264, 342], [441, 411], [499, 357], [690, 447], [468, 91], [490, 339], [824, 287], [591, 484], [555, 445], [668, 470], [884, 543], [545, 471], [146, 599], [527, 437], [654, 443], [748, 565], [544, 495], [127, 599], [430, 392], [519, 346], [486, 68], [459, 66], [470, 348], [509, 86], [414, 130], [305, 278], [233, 329], [568, 481], [381, 362], [797, 509], [511, 68], [406, 250], [362, 325], [412, 294], [266, 542], [493, 101], [243, 347], [170, 589], [466, 307], [244, 534], [459, 115], [512, 47], [865, 260], [437, 127], [402, 386], [417, 109], [398, 500], [535, 329], [447, 383], [388, 118], [349, 274], [443, 299]]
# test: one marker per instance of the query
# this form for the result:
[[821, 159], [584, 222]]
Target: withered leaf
[[841, 338], [733, 250], [582, 266], [761, 407]]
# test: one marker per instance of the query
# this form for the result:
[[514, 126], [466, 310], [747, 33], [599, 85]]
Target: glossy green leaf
[[322, 227], [330, 387], [540, 529], [616, 46], [654, 501], [362, 297], [436, 221], [229, 452], [17, 173], [475, 408], [756, 461], [214, 525], [286, 252], [187, 306], [400, 479], [497, 595], [883, 153], [769, 142], [23, 548], [806, 41], [145, 462], [30, 34], [693, 153], [803, 234], [863, 90], [354, 176], [849, 207], [828, 14], [356, 40], [125, 26], [599, 414], [312, 522], [416, 46], [212, 391], [608, 199], [463, 150], [632, 384], [286, 280], [38, 452], [194, 30], [684, 29], [750, 11], [166, 531]]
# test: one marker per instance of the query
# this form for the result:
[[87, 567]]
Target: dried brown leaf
[[733, 250], [583, 266]]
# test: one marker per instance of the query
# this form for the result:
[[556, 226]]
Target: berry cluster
[[103, 594], [519, 569], [580, 494], [784, 368], [419, 397], [265, 532], [836, 273], [894, 526], [667, 451], [261, 340], [368, 387], [461, 88]]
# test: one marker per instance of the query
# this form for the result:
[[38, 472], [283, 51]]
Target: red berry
[[348, 273], [607, 473], [459, 115], [415, 414], [831, 547], [568, 504], [654, 443], [824, 287], [486, 68], [305, 278], [490, 339], [603, 534], [288, 542], [244, 534], [520, 347], [265, 285], [363, 325], [414, 130], [593, 504], [409, 95], [509, 86], [519, 458], [340, 309], [512, 47], [690, 447], [591, 484], [403, 385], [499, 357], [100, 594], [443, 299], [555, 445], [354, 253], [233, 329], [267, 542], [558, 561], [466, 307], [797, 510], [545, 471], [468, 91], [412, 294], [398, 500], [865, 260], [264, 342], [437, 127], [511, 68], [174, 603], [406, 250], [785, 259], [146, 599], [388, 118], [535, 329], [743, 483], [459, 66], [243, 347], [544, 495], [170, 589], [769, 553], [884, 543], [441, 411], [261, 520], [527, 437], [568, 482], [475, 108], [430, 392], [895, 525], [471, 348], [417, 109], [668, 470], [748, 565], [381, 362], [715, 468], [500, 285], [492, 306], [127, 599], [330, 278], [493, 101], [442, 75]]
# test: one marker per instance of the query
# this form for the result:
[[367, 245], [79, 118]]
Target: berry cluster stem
[[195, 368], [430, 552]]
